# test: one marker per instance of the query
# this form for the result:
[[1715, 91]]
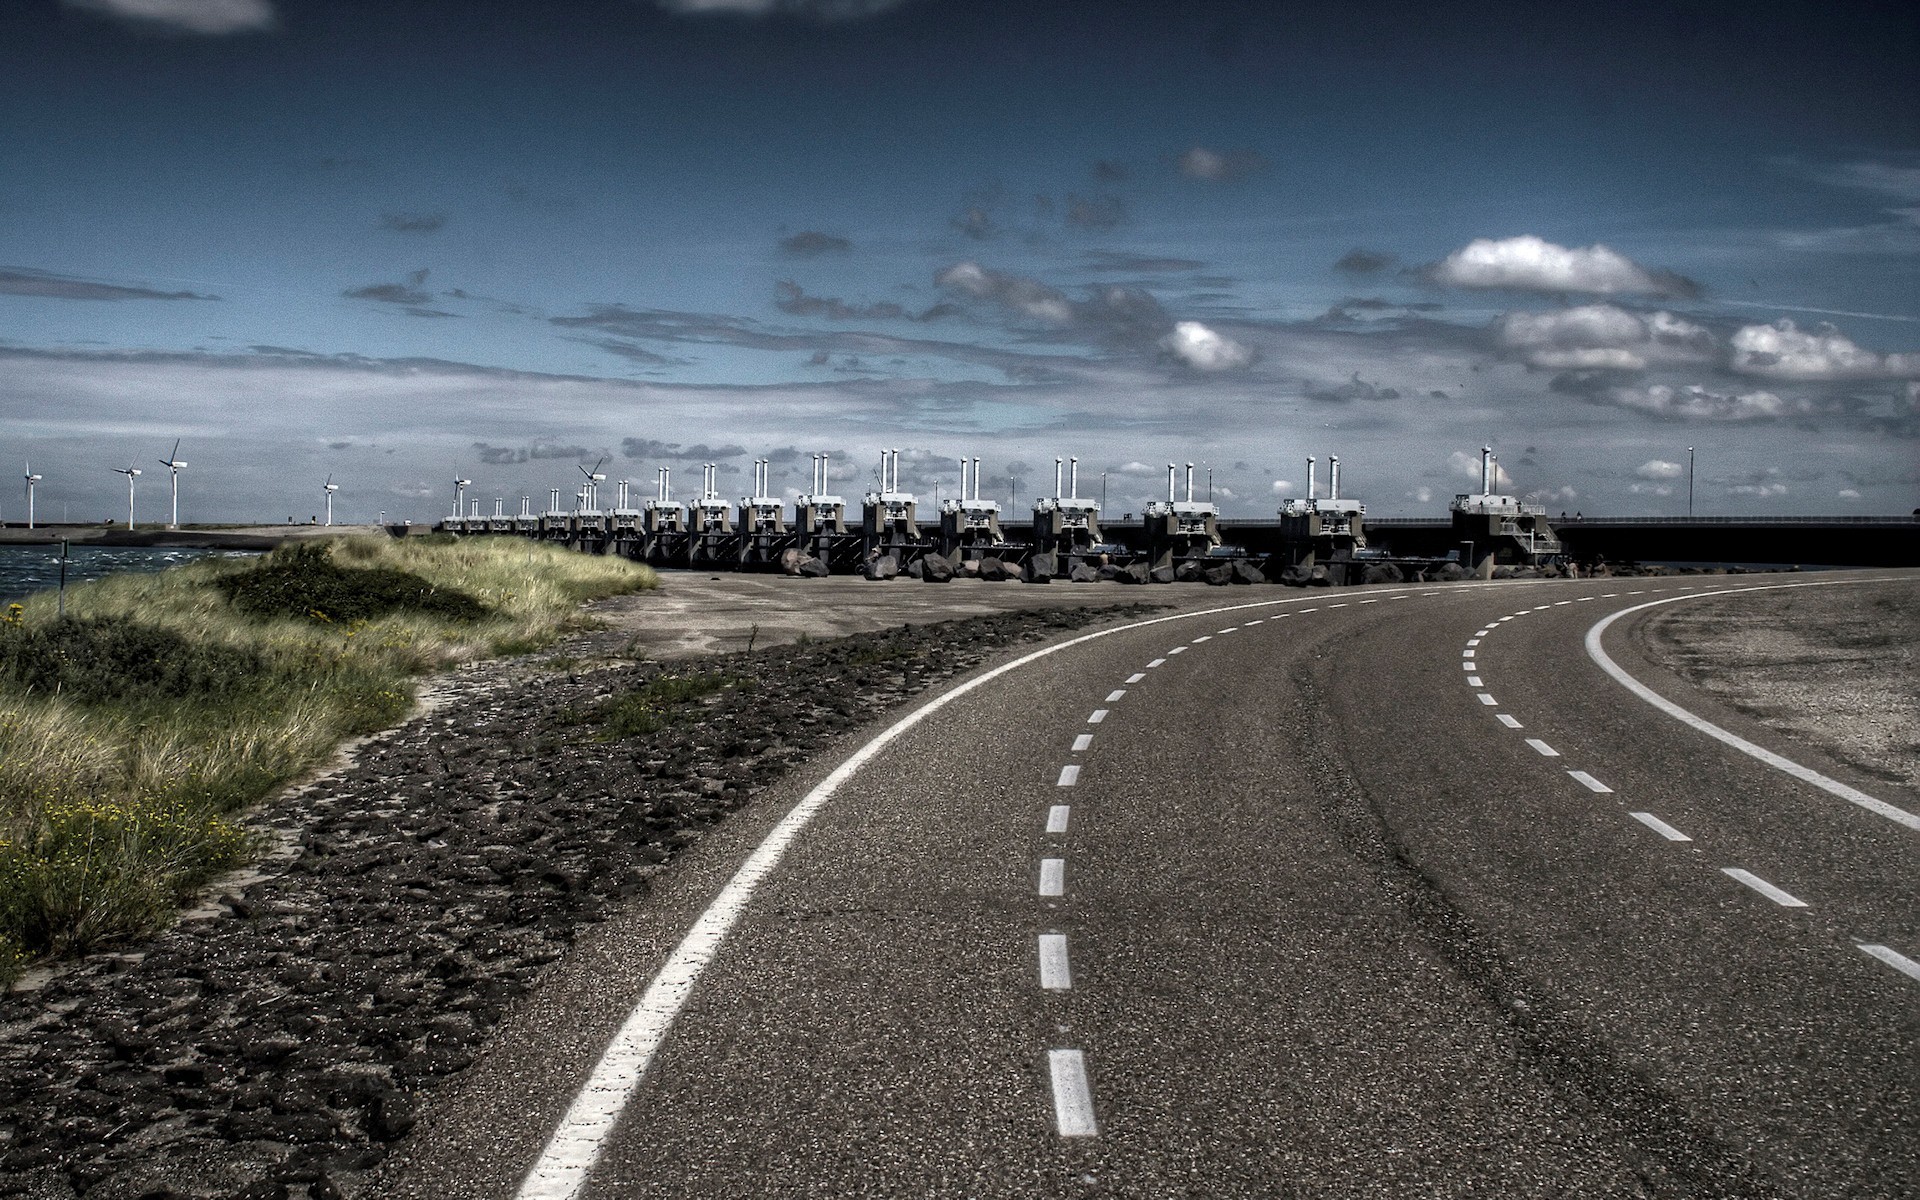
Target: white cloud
[[1283, 487], [1655, 468], [187, 16], [1532, 264], [1203, 349], [1696, 402], [819, 10], [1027, 297], [1758, 489], [1784, 351], [1421, 495], [1650, 489], [1219, 166], [1559, 495], [1848, 494]]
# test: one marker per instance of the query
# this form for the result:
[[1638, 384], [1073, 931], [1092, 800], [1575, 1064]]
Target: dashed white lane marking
[[1375, 600], [1469, 666], [1304, 611], [1487, 699], [1230, 629], [1399, 597], [1474, 681], [1540, 608], [1158, 662], [1469, 652], [1053, 876], [1115, 694], [1778, 762], [1509, 720], [1258, 621], [1589, 782], [1096, 716], [1205, 637], [1176, 650], [1558, 603], [1503, 620], [1069, 775], [1542, 748], [574, 1148], [1608, 595], [1055, 975], [1782, 898], [1583, 600], [1057, 818], [1136, 677], [1640, 592], [1072, 1097], [1342, 604], [1892, 958], [1082, 742], [1473, 641], [1660, 827]]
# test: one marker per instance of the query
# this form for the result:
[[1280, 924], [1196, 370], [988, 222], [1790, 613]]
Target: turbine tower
[[173, 464], [329, 487], [132, 473], [31, 480], [459, 496], [594, 479]]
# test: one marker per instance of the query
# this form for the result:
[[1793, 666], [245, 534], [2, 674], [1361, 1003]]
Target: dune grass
[[133, 731]]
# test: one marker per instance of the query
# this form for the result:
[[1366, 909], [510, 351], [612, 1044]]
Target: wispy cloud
[[24, 281], [206, 17], [811, 243], [414, 222], [1220, 166]]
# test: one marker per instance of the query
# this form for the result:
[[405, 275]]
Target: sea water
[[28, 569]]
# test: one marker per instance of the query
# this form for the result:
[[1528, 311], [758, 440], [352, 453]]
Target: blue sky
[[401, 242]]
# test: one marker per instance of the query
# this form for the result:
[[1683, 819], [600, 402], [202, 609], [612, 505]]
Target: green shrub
[[649, 707], [302, 580], [93, 661]]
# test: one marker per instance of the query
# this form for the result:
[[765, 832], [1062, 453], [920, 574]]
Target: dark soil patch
[[279, 1046]]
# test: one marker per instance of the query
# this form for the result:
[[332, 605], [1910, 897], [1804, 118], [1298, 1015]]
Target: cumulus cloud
[[1848, 494], [1220, 166], [1694, 402], [1203, 349], [1559, 495], [1282, 487], [1655, 468], [23, 281], [815, 10], [1601, 337], [1784, 351], [700, 452], [1650, 489], [811, 243], [414, 222], [1460, 462], [1111, 313], [1532, 264], [1025, 297], [207, 17]]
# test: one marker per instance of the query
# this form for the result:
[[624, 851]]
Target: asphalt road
[[1324, 910]]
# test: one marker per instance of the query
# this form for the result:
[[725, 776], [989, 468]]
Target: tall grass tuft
[[133, 731]]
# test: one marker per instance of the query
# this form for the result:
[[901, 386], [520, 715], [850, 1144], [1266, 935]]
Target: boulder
[[936, 568], [790, 560], [812, 568], [884, 567], [1084, 574], [1161, 575], [995, 570], [1107, 572], [1135, 573], [1218, 576], [913, 569], [1187, 572], [1319, 577], [1451, 572], [967, 568], [1042, 566], [1246, 572], [1382, 573]]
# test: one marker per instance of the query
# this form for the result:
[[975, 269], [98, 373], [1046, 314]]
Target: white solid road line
[[1055, 976], [1893, 958], [1778, 762], [1589, 782], [570, 1154], [1057, 818], [1509, 720], [1783, 899], [1136, 677], [1096, 716], [1082, 742], [1072, 1097], [1053, 876], [1069, 775], [1542, 748], [1115, 694], [1660, 827]]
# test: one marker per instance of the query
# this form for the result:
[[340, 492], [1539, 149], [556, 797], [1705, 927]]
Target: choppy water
[[28, 569]]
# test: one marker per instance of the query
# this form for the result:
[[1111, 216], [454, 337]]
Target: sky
[[392, 243]]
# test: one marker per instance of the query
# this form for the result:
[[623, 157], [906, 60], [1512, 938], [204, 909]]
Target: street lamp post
[[1103, 491], [1689, 482]]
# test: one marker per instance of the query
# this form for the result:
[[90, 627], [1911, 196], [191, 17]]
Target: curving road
[[1375, 892]]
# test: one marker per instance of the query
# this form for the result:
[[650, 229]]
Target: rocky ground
[[276, 1042], [1834, 667]]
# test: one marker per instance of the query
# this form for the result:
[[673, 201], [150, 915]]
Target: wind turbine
[[329, 487], [459, 496], [594, 480], [31, 480], [173, 464], [132, 473]]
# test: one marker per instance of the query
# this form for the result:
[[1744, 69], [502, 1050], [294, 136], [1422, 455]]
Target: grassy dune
[[134, 730]]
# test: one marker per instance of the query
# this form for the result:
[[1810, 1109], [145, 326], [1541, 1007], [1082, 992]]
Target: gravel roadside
[[1833, 667], [276, 1041]]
